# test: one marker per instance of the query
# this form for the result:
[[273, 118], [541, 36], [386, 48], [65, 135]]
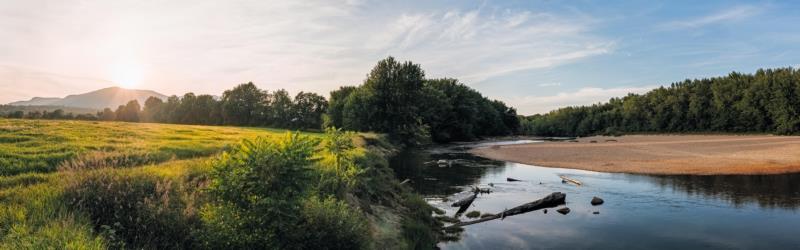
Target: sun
[[127, 75]]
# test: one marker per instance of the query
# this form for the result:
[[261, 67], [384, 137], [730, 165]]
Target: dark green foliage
[[307, 111], [397, 99], [765, 102], [243, 104]]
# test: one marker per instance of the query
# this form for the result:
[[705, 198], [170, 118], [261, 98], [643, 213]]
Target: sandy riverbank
[[661, 154]]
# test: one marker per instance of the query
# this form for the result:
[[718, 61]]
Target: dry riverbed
[[661, 154]]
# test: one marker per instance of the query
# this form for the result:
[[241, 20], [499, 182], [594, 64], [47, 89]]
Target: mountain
[[99, 99]]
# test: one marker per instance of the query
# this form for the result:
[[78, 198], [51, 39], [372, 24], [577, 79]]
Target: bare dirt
[[661, 154]]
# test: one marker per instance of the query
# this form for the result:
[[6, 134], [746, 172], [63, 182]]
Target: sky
[[534, 55]]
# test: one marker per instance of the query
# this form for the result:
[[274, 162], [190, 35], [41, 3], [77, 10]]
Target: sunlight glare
[[126, 75]]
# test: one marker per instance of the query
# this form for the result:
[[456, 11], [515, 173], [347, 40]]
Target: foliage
[[268, 193], [398, 100], [764, 102]]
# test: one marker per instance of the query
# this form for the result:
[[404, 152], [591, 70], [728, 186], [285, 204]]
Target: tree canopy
[[765, 102]]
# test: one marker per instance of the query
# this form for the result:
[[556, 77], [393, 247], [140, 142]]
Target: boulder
[[563, 210], [596, 201]]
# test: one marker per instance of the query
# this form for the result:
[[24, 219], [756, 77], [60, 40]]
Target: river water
[[640, 211]]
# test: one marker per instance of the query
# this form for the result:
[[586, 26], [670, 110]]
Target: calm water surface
[[640, 211]]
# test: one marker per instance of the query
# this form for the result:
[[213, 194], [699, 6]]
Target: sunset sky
[[534, 55]]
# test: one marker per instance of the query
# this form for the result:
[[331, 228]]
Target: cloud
[[729, 14], [549, 84], [208, 46], [585, 96]]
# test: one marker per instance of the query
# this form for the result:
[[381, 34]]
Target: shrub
[[331, 224], [257, 189]]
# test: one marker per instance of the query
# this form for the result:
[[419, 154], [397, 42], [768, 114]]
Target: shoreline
[[660, 154]]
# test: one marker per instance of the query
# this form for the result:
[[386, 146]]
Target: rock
[[596, 212], [491, 184], [597, 201], [563, 210], [545, 211], [512, 179]]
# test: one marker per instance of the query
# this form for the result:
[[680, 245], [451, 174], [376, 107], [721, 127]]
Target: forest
[[765, 102], [396, 99]]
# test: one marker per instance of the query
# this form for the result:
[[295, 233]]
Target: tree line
[[396, 99], [765, 102]]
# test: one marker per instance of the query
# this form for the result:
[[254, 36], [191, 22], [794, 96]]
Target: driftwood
[[571, 180], [466, 201], [552, 200]]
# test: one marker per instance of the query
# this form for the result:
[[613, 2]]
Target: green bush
[[257, 190], [332, 224]]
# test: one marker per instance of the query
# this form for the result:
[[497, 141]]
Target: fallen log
[[552, 200], [466, 201], [570, 180]]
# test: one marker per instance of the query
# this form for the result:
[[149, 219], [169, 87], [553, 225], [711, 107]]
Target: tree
[[336, 104], [281, 109], [243, 105], [128, 112], [153, 110], [107, 115], [307, 110]]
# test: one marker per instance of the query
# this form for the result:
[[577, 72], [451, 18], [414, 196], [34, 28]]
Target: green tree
[[243, 105]]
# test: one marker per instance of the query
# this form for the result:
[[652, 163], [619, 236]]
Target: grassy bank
[[100, 185]]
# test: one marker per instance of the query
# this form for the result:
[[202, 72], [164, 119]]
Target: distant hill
[[7, 109], [98, 99]]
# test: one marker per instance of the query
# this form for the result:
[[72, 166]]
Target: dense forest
[[765, 102], [396, 99]]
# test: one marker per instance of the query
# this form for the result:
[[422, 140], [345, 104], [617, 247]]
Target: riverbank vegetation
[[99, 185], [765, 102]]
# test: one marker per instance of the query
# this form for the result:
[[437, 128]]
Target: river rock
[[563, 210], [597, 201]]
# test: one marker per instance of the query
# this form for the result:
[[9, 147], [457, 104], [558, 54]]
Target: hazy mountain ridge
[[98, 99]]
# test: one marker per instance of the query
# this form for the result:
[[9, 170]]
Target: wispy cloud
[[206, 46], [729, 14], [585, 96], [549, 84]]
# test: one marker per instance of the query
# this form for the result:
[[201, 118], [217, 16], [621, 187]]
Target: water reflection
[[768, 191], [641, 211]]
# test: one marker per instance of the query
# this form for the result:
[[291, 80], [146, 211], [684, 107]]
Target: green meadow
[[112, 185]]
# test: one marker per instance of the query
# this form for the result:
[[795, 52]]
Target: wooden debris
[[552, 200], [564, 178]]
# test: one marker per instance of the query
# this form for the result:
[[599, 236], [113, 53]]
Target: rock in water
[[545, 211], [596, 201], [596, 212], [564, 210], [512, 179]]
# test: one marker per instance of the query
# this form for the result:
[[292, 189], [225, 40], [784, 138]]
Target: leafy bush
[[257, 190], [332, 224]]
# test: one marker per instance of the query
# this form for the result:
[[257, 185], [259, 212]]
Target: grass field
[[41, 146], [101, 185]]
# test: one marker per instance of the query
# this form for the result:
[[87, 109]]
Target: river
[[640, 211]]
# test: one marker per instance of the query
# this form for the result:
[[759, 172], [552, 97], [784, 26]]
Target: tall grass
[[42, 146], [125, 186]]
